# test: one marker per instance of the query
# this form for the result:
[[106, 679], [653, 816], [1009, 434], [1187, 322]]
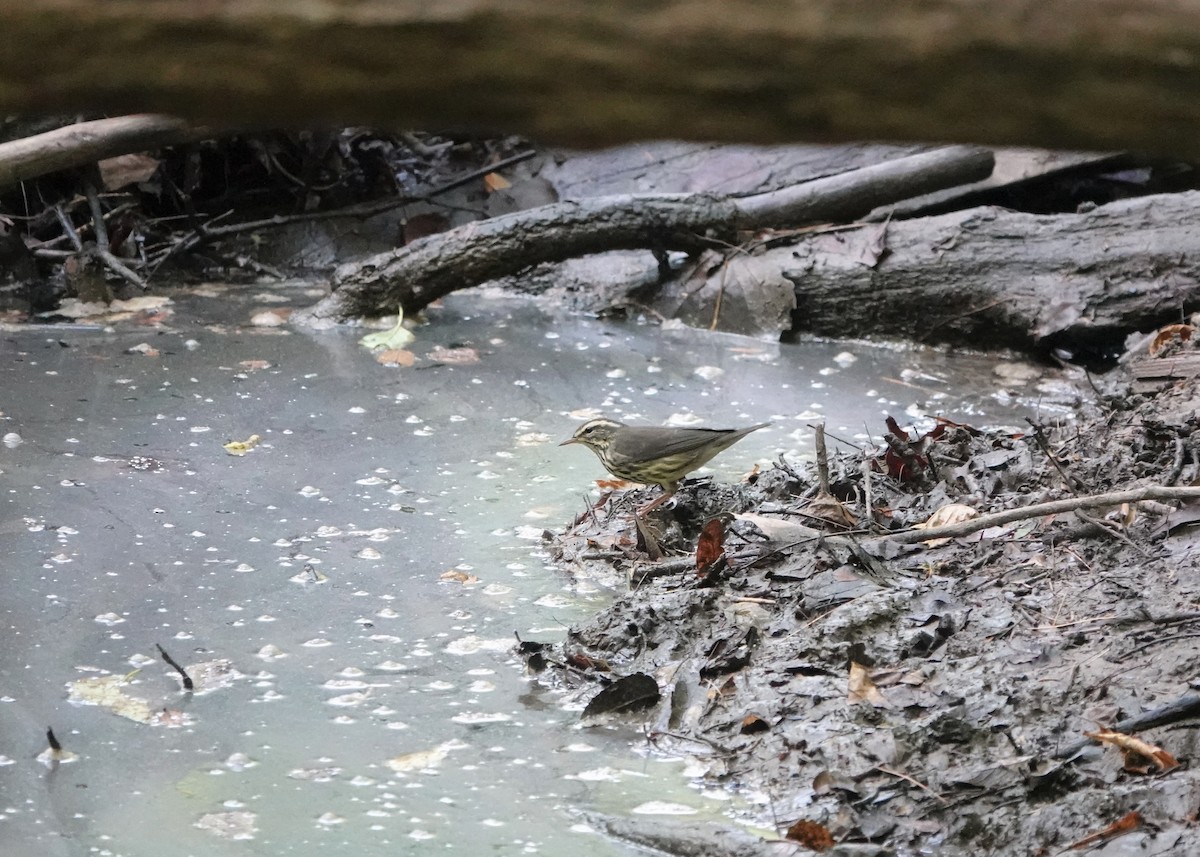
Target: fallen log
[[414, 276], [989, 276], [86, 143]]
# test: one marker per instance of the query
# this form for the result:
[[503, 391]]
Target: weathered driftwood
[[88, 142], [993, 276], [415, 275], [1110, 74]]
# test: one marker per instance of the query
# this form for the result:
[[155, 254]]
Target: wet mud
[[875, 692]]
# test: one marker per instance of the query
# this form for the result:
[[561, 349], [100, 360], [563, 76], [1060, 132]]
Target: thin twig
[[868, 498], [884, 769], [98, 226], [1054, 507], [69, 228], [103, 251], [1183, 708], [822, 457], [1177, 464]]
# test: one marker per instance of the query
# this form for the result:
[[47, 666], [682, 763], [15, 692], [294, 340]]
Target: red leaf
[[711, 546]]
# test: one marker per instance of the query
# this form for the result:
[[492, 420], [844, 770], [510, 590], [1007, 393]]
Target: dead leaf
[[456, 576], [752, 723], [463, 356], [1169, 334], [862, 689], [831, 510], [1126, 823], [254, 365], [1188, 513], [395, 337], [711, 546], [728, 689], [145, 349], [587, 662], [866, 245], [494, 182], [951, 513], [421, 759], [631, 693], [396, 357], [1141, 757], [424, 225], [612, 484], [810, 834], [241, 447], [124, 170]]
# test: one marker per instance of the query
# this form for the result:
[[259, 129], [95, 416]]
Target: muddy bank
[[892, 694]]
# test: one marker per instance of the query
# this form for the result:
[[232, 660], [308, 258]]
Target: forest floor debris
[[950, 688]]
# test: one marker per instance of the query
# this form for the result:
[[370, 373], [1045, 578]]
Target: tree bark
[[989, 276], [414, 276], [88, 142]]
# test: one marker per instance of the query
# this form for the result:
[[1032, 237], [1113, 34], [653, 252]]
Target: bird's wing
[[676, 442]]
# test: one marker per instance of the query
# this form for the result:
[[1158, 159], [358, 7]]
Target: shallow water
[[377, 707]]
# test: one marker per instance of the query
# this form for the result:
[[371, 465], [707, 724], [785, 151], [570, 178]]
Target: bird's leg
[[668, 492]]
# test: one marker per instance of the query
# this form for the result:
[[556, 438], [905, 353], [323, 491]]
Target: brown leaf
[[951, 513], [1126, 823], [810, 834], [862, 689], [124, 170], [456, 576], [396, 357], [612, 484], [752, 723], [1167, 335], [711, 546], [587, 662], [1141, 757], [830, 509], [494, 182]]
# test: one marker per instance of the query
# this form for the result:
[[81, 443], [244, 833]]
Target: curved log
[[414, 276]]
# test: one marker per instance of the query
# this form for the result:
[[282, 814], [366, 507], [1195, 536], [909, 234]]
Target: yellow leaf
[[398, 337], [241, 447]]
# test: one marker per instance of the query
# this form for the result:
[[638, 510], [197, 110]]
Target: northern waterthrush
[[653, 455]]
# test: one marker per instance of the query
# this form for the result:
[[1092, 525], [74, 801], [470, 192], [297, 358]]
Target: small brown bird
[[653, 455]]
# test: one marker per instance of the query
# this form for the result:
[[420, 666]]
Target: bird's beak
[[569, 440]]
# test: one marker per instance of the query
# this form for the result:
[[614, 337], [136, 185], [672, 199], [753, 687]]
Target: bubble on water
[[348, 700], [270, 652], [472, 644], [477, 717]]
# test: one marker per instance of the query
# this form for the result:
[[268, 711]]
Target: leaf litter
[[936, 660]]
